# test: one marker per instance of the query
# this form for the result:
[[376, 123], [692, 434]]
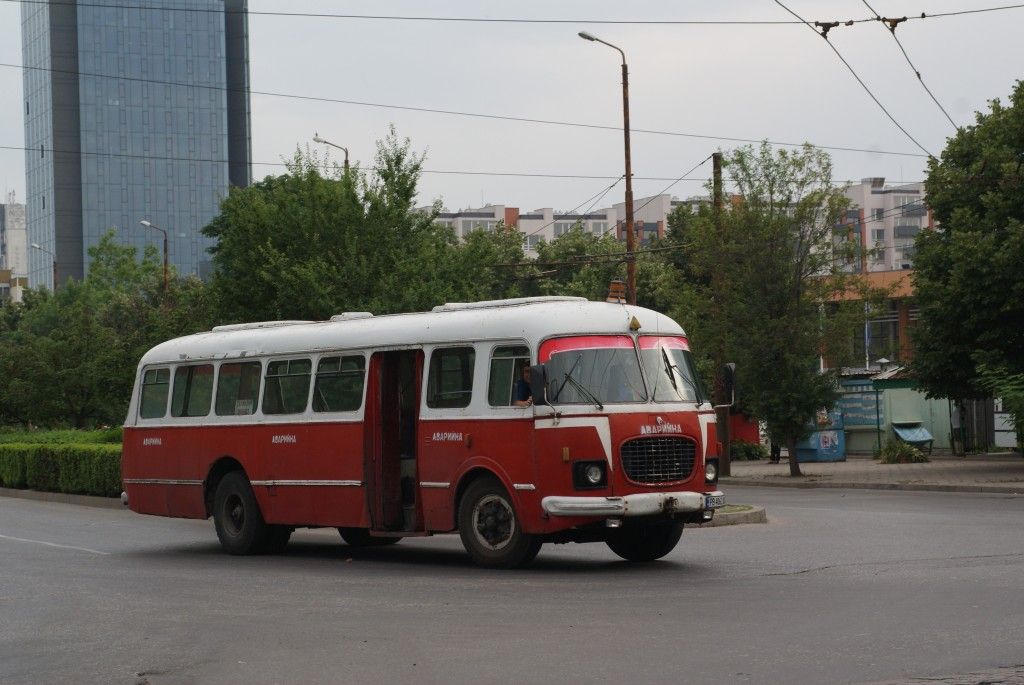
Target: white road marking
[[54, 544]]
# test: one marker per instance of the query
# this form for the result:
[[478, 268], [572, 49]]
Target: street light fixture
[[318, 139], [37, 246], [630, 238], [147, 224]]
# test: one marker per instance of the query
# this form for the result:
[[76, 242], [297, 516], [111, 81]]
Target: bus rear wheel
[[360, 537], [490, 529], [237, 518], [645, 541]]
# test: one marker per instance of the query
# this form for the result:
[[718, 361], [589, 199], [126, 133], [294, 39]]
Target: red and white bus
[[406, 425]]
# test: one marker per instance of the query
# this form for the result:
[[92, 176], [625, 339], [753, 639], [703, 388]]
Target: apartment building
[[13, 250], [650, 220]]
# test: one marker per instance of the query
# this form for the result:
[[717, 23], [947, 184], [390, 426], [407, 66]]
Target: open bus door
[[392, 416]]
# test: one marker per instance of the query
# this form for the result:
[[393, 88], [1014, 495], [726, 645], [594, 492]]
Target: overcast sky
[[779, 82]]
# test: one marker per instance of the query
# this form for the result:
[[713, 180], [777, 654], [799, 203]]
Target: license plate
[[714, 501]]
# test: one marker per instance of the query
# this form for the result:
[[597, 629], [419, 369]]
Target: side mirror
[[729, 383], [539, 383]]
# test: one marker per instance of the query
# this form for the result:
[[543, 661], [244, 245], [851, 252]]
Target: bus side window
[[193, 390], [238, 387], [155, 384], [507, 363], [287, 388], [450, 384], [339, 384]]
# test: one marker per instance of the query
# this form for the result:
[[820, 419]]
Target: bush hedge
[[899, 452], [747, 451], [61, 437], [78, 469]]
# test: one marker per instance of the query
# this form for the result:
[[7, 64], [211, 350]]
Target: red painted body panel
[[513, 449]]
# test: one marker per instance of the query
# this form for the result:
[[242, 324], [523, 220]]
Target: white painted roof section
[[511, 302], [256, 324], [530, 319]]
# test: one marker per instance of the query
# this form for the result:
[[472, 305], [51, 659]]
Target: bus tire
[[237, 517], [360, 537], [490, 529], [645, 541], [276, 539]]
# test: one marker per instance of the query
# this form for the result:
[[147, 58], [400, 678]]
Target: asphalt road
[[840, 586]]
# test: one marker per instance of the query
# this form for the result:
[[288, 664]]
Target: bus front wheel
[[237, 518], [645, 541], [490, 529]]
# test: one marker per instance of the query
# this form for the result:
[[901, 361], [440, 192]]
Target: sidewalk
[[997, 473]]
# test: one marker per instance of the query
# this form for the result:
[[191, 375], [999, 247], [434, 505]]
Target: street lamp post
[[37, 246], [147, 224], [318, 139], [630, 238]]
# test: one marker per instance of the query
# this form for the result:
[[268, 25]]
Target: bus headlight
[[711, 470], [587, 475]]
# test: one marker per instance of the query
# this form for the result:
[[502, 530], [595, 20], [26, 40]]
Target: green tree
[[316, 241], [579, 264], [969, 274], [69, 358], [760, 284]]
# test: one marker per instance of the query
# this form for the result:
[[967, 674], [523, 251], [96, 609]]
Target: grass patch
[[734, 508]]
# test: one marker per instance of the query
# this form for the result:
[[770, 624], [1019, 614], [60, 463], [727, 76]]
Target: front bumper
[[642, 504]]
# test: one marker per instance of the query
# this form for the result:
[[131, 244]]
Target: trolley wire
[[596, 198], [892, 24], [491, 20], [824, 34]]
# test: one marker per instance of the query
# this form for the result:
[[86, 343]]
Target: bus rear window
[[155, 384], [238, 388], [339, 384], [193, 390], [287, 387]]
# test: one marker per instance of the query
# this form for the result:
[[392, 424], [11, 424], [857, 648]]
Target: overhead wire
[[824, 34], [447, 112], [600, 194], [207, 160], [489, 20], [892, 30], [583, 259]]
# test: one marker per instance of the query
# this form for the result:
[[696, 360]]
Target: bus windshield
[[596, 370], [671, 375]]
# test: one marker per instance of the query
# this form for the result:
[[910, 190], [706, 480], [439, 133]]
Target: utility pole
[[630, 237], [630, 233], [723, 406]]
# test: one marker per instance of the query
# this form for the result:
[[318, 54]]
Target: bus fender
[[485, 466]]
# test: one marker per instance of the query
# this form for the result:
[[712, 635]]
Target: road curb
[[755, 515], [854, 485], [64, 498]]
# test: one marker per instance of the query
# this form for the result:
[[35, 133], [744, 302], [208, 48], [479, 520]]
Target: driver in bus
[[522, 396]]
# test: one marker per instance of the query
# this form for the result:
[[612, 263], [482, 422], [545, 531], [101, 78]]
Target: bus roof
[[531, 319]]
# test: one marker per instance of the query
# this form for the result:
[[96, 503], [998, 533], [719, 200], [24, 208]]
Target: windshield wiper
[[584, 391], [669, 368], [576, 384], [673, 370], [568, 374]]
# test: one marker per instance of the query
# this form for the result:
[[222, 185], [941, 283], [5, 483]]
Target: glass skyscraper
[[131, 113]]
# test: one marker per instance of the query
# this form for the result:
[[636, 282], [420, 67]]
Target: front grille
[[658, 460]]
